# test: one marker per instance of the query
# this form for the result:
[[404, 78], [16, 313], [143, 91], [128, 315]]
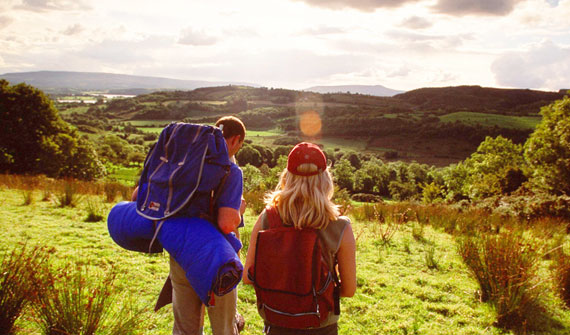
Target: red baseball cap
[[306, 153]]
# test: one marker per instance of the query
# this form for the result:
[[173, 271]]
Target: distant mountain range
[[377, 90], [63, 82], [68, 82]]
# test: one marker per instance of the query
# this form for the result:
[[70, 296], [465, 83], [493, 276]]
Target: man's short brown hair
[[232, 127]]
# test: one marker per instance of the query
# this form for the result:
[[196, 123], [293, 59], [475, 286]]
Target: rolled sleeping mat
[[208, 257], [130, 230]]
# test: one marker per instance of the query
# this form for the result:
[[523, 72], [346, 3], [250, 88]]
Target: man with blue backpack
[[187, 306], [190, 174]]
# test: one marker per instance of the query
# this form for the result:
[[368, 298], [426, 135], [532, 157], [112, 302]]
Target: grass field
[[518, 122], [149, 123], [125, 175], [411, 283], [155, 130]]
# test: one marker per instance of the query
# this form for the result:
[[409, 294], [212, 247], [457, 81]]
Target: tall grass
[[114, 189], [28, 196], [255, 200], [68, 195], [18, 271], [73, 301], [94, 211], [506, 268], [562, 276]]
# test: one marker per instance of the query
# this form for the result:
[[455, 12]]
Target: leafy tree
[[431, 193], [344, 174], [402, 190], [455, 177], [266, 154], [249, 155], [114, 149], [252, 178], [272, 175], [373, 177], [354, 160], [281, 150], [547, 151], [363, 182], [490, 166], [36, 140]]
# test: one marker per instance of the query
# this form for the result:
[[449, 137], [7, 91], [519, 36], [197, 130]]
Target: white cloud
[[284, 43], [543, 66], [111, 51], [416, 22], [452, 7], [5, 21], [323, 30], [428, 42], [74, 29], [52, 5], [191, 36], [362, 5], [476, 7]]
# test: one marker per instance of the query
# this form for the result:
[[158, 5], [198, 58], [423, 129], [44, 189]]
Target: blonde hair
[[304, 201]]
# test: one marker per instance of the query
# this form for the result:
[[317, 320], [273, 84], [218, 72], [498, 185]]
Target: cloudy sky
[[401, 44]]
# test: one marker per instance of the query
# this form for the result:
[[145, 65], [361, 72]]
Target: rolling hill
[[65, 82], [377, 90]]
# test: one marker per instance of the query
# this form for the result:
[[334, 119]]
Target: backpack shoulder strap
[[273, 218]]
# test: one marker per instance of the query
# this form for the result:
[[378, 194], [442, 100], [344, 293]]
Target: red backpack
[[294, 285]]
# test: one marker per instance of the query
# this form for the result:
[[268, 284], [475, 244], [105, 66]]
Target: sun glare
[[310, 123]]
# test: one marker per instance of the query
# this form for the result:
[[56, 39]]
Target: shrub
[[505, 266], [72, 301], [341, 197], [69, 195], [28, 196], [430, 259], [365, 197], [418, 232], [431, 193], [18, 271], [94, 211], [366, 212], [245, 236], [255, 201], [113, 189], [562, 276]]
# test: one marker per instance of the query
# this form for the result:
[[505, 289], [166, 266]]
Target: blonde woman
[[302, 200]]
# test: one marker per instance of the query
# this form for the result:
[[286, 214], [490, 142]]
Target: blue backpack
[[187, 160]]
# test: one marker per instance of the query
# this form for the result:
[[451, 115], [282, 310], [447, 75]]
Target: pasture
[[411, 279], [485, 119]]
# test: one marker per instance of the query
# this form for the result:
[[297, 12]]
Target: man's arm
[[230, 201], [228, 219]]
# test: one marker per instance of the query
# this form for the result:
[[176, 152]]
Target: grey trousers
[[187, 307]]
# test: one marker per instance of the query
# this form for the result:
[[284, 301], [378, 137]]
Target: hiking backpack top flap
[[294, 285], [187, 159]]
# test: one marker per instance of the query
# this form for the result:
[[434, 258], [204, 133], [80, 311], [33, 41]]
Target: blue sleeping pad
[[208, 257]]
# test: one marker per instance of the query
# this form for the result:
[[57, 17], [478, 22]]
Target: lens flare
[[310, 123]]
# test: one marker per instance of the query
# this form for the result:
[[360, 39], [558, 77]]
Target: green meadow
[[411, 279], [484, 119]]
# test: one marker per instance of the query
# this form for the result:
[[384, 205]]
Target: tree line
[[37, 140]]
